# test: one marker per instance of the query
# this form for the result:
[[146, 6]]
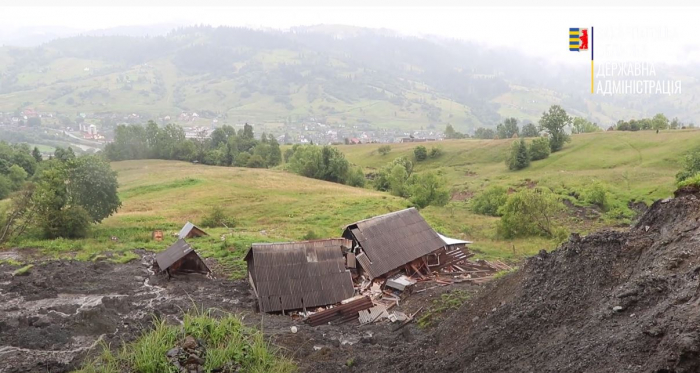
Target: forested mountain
[[337, 75]]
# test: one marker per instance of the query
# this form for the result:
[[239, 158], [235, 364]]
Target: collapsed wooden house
[[384, 244], [299, 275], [181, 257], [453, 243], [454, 251]]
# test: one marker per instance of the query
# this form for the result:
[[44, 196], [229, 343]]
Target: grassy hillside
[[273, 205], [267, 205], [640, 165], [635, 166]]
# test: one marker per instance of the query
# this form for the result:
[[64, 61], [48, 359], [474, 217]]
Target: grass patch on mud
[[23, 271], [447, 302], [230, 347]]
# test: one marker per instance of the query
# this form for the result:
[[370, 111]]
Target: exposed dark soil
[[608, 302], [52, 318]]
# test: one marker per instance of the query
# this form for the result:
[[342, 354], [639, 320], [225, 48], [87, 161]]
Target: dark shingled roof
[[294, 275], [177, 251], [191, 230], [392, 240]]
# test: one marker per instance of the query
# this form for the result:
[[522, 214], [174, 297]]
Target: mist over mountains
[[338, 75]]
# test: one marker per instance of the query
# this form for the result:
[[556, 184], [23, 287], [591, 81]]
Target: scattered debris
[[189, 357], [400, 282], [394, 252], [157, 235], [373, 314], [398, 316], [340, 314]]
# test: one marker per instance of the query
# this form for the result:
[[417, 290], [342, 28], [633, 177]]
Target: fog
[[661, 34]]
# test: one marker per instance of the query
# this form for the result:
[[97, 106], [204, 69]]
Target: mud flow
[[61, 313]]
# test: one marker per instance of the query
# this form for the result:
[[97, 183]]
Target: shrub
[[428, 189], [531, 212], [381, 181], [356, 178], [539, 149], [255, 161], [519, 157], [690, 181], [691, 166], [320, 162], [218, 218], [421, 153], [435, 152], [384, 149], [397, 181], [241, 160], [71, 222], [597, 194], [490, 201], [310, 235]]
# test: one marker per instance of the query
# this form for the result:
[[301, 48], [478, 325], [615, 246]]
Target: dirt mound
[[608, 302]]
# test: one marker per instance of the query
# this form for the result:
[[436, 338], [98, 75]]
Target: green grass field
[[274, 205], [639, 165], [635, 166], [267, 205]]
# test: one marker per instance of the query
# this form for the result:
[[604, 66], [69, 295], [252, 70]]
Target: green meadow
[[275, 205]]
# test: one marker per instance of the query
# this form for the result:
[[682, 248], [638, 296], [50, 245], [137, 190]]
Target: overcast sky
[[638, 34]]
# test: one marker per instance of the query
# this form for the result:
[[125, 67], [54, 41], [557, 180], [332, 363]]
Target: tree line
[[509, 129], [657, 122], [224, 147]]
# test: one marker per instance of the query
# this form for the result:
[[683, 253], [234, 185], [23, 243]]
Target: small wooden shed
[[181, 257]]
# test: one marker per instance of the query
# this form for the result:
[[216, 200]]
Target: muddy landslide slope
[[608, 302]]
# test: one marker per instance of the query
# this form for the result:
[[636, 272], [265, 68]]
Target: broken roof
[[191, 230], [453, 241], [174, 253], [392, 240], [294, 275]]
